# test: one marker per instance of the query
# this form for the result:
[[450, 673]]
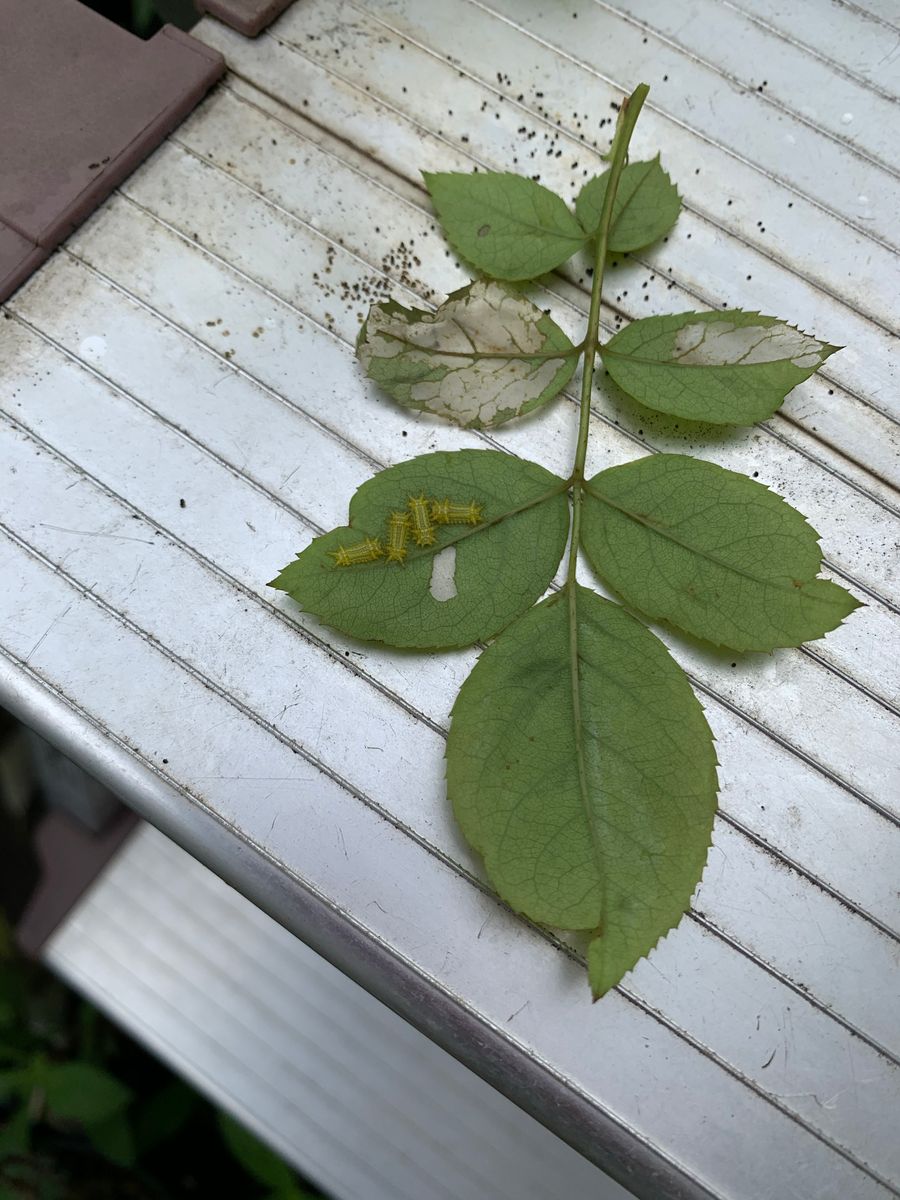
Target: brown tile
[[71, 857], [18, 258], [83, 103], [248, 17]]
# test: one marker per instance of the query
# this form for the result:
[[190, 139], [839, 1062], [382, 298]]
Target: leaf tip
[[605, 966], [434, 177], [852, 605]]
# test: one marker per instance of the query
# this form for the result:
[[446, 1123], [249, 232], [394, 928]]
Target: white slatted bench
[[182, 412]]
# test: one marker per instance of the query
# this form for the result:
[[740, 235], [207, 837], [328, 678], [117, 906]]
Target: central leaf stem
[[628, 115]]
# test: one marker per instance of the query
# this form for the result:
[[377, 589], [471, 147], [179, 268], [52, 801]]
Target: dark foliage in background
[[145, 17], [85, 1113]]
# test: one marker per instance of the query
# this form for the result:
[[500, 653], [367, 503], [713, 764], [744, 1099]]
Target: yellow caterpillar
[[422, 527], [424, 513], [368, 550], [398, 533], [444, 512]]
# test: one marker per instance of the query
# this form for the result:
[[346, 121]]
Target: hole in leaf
[[443, 575]]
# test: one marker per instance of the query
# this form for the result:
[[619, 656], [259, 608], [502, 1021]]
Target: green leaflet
[[646, 206], [501, 566], [10, 1082], [505, 225], [468, 362], [711, 552], [114, 1139], [599, 824], [255, 1157], [15, 1134], [77, 1091], [728, 368]]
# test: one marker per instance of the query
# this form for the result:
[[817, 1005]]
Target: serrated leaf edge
[[659, 618], [634, 249]]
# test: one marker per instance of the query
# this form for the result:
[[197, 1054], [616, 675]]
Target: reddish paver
[[83, 103], [248, 17]]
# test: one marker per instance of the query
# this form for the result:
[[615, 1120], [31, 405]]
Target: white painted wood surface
[[193, 342]]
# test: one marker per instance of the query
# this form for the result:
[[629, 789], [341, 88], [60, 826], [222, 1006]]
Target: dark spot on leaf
[[484, 230]]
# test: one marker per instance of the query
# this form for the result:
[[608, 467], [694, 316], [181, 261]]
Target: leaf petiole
[[628, 115]]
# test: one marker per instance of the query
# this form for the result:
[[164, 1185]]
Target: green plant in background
[[51, 1078], [56, 1088], [579, 762], [63, 1095], [143, 17], [259, 1161], [146, 17]]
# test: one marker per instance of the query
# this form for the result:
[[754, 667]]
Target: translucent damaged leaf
[[711, 552], [592, 818], [646, 205], [728, 368], [489, 574], [506, 225], [486, 355]]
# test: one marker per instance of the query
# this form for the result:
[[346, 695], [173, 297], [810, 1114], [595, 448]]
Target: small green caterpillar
[[368, 550], [398, 532], [445, 512], [422, 528]]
